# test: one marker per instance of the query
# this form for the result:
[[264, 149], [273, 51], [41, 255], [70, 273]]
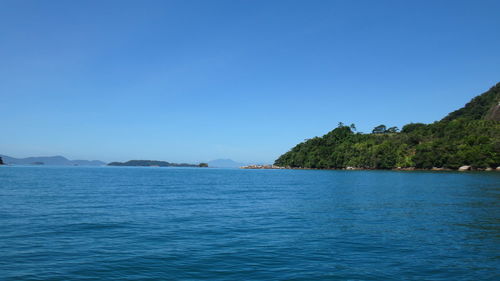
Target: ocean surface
[[124, 223]]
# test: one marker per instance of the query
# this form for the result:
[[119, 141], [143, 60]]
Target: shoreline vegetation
[[467, 139], [461, 169]]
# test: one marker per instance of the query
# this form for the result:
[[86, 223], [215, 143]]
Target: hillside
[[468, 136], [484, 106], [50, 160]]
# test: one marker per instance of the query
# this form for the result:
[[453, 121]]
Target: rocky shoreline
[[461, 169], [267, 167]]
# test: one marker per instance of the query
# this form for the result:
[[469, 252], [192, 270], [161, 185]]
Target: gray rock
[[464, 168]]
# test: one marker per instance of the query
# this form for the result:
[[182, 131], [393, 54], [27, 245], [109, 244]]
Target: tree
[[353, 127], [380, 129], [412, 127], [392, 130]]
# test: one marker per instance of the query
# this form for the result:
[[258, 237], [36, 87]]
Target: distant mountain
[[224, 163], [50, 160], [88, 162], [154, 163]]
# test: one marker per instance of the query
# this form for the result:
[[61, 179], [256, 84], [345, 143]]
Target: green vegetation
[[480, 107], [468, 136], [152, 163]]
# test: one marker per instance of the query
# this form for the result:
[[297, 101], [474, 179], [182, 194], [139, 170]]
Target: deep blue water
[[111, 223]]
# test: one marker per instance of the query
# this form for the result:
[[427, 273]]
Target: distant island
[[154, 163], [466, 139], [49, 160]]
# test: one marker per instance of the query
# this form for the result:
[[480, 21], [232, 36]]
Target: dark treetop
[[468, 136]]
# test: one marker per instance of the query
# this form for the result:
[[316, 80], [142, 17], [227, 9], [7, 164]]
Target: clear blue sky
[[190, 81]]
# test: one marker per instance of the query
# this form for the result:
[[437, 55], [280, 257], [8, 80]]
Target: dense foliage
[[479, 107], [462, 138]]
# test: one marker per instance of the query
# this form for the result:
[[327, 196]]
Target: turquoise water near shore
[[121, 223]]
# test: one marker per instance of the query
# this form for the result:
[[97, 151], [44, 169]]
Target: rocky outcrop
[[464, 168], [494, 113], [262, 167], [404, 169], [440, 169]]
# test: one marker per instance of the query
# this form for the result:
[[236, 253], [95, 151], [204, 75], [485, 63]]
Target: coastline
[[434, 169]]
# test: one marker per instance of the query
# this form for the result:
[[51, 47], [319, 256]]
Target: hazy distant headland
[[49, 160], [225, 163], [154, 163], [466, 139]]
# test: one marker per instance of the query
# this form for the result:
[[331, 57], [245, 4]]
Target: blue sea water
[[119, 223]]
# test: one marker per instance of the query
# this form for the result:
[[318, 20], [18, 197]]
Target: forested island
[[155, 163], [468, 136]]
